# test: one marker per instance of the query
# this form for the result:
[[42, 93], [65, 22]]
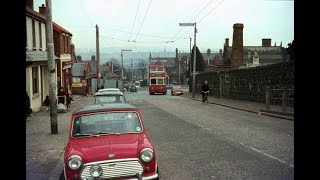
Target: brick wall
[[56, 41], [250, 84]]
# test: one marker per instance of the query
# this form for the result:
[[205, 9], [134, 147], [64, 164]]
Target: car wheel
[[158, 173], [62, 176]]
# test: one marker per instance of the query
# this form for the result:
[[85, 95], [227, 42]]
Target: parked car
[[133, 89], [126, 86], [109, 97], [108, 89], [176, 90], [169, 86], [109, 141]]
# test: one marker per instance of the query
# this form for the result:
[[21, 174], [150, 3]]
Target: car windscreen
[[109, 99], [106, 123]]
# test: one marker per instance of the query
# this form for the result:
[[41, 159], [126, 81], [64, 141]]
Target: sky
[[153, 25]]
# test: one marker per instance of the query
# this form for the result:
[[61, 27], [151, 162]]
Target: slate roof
[[35, 56], [168, 62]]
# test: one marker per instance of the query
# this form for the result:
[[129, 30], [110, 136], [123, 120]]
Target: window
[[35, 80], [160, 81], [40, 35], [64, 44], [153, 69], [160, 68], [153, 81], [33, 35]]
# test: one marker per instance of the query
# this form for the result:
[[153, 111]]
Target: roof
[[30, 12], [60, 29], [168, 62], [78, 69], [109, 89], [105, 107], [34, 56], [109, 93]]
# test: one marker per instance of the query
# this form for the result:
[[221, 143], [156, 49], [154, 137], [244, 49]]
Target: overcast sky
[[154, 24]]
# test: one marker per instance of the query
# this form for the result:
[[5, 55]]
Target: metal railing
[[286, 96]]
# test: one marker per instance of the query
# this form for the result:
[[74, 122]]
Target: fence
[[279, 96]]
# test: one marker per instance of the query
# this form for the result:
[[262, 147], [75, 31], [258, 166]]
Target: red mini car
[[109, 141]]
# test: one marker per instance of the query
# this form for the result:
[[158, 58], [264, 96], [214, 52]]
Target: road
[[205, 141]]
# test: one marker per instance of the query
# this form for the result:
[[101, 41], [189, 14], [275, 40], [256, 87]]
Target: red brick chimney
[[266, 42], [29, 3], [93, 58], [237, 46], [42, 10], [226, 43]]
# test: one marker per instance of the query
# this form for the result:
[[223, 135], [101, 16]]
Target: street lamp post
[[122, 61], [194, 54]]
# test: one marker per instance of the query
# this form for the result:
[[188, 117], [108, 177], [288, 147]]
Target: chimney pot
[[266, 42]]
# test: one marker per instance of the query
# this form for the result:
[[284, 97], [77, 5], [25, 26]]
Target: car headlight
[[96, 170], [74, 162], [146, 155]]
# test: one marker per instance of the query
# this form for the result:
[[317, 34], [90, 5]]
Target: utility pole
[[131, 71], [51, 70], [98, 56], [194, 60]]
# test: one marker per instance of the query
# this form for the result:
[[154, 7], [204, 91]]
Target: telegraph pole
[[98, 56], [194, 60], [131, 71], [51, 70]]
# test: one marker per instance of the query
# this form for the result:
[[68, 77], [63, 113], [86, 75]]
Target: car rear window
[[109, 99]]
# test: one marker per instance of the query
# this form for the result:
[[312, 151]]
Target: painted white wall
[[29, 81], [29, 33]]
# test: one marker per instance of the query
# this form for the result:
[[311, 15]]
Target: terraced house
[[36, 57]]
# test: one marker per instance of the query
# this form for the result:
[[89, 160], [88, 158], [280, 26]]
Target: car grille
[[115, 168]]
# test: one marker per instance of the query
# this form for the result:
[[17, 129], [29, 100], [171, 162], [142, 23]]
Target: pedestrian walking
[[69, 99], [47, 103]]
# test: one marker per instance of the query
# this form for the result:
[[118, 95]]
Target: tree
[[290, 50], [199, 61], [142, 66], [116, 65]]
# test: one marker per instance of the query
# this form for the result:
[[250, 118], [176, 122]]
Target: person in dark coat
[[69, 99], [62, 95], [47, 103], [28, 109], [205, 88]]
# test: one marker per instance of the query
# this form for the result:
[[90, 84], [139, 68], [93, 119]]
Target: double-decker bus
[[157, 79]]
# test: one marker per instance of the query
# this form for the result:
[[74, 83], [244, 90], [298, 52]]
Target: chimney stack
[[42, 10], [266, 42], [237, 46], [226, 43], [29, 3], [79, 58], [220, 53]]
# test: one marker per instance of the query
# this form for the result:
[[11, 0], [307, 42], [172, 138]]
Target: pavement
[[254, 107], [44, 151]]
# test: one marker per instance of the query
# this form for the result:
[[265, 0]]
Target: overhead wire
[[135, 17], [143, 20]]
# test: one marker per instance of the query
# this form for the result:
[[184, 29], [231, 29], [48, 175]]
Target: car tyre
[[62, 176], [158, 173]]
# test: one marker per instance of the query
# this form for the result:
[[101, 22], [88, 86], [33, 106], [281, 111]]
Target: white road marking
[[256, 150], [200, 125]]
